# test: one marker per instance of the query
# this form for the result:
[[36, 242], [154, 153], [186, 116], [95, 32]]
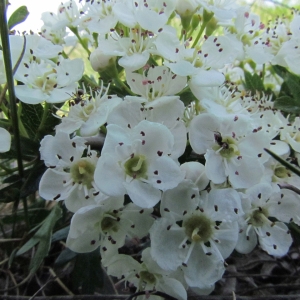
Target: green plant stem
[[119, 83], [203, 26], [10, 85], [43, 121], [83, 44]]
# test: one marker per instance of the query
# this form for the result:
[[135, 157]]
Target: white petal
[[165, 244], [5, 139], [142, 194], [109, 176]]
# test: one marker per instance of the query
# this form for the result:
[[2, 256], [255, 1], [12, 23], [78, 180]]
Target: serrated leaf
[[60, 234], [287, 104], [87, 272], [293, 83], [18, 16], [253, 82], [187, 97], [64, 257], [31, 116], [43, 238]]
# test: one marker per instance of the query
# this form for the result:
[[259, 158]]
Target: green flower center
[[110, 223], [281, 172], [259, 217], [83, 172], [227, 147], [198, 228], [136, 167], [147, 277]]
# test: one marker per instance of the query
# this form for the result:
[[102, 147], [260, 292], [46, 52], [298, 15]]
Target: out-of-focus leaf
[[253, 82], [64, 257], [18, 16], [288, 104], [31, 116], [187, 97], [11, 192], [43, 237], [289, 95], [31, 184], [60, 234], [30, 149], [87, 272]]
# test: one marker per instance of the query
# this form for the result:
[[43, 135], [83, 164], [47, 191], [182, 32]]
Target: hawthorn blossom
[[48, 82], [89, 114], [137, 163], [260, 203], [107, 225], [70, 175], [147, 275], [155, 85], [149, 15], [231, 149], [207, 236], [131, 111]]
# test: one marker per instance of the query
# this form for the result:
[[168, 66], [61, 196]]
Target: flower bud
[[101, 61]]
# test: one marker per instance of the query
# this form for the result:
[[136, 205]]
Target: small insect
[[219, 140]]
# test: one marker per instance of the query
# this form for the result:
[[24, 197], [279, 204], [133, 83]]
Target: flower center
[[147, 277], [281, 172], [228, 146], [83, 172], [198, 228], [136, 166], [259, 217], [47, 82], [110, 223]]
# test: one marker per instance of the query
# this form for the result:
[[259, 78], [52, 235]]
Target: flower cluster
[[170, 146]]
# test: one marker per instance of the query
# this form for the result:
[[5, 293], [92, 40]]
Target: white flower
[[130, 112], [99, 16], [137, 163], [195, 172], [151, 15], [107, 225], [230, 149], [157, 84], [5, 139], [146, 276], [290, 133], [48, 82], [260, 203], [89, 114], [207, 236], [70, 176]]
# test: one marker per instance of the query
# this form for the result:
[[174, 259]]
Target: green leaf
[[18, 16], [288, 104], [87, 272], [187, 97], [253, 82], [31, 184], [31, 116], [43, 238], [64, 257], [60, 234]]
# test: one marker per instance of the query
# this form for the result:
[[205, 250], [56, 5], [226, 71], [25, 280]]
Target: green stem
[[10, 85], [43, 121], [83, 44], [119, 83], [206, 18]]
